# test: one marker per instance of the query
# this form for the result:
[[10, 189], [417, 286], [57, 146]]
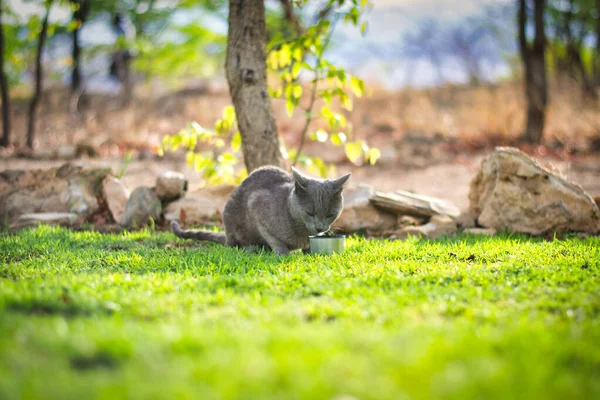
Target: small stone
[[408, 220], [360, 214], [481, 231], [67, 152], [115, 194], [466, 220], [438, 226], [33, 219], [406, 203], [143, 205], [201, 206], [170, 185]]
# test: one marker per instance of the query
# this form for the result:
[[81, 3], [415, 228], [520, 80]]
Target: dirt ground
[[432, 141]]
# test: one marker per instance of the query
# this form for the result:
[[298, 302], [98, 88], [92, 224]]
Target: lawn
[[145, 315]]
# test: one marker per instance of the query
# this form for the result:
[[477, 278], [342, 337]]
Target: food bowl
[[327, 244]]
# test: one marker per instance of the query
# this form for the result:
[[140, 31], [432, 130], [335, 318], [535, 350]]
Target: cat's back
[[268, 177]]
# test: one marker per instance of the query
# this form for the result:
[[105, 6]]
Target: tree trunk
[[4, 89], [38, 79], [534, 63], [76, 72], [79, 15], [246, 74]]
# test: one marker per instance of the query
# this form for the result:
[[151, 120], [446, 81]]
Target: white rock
[[406, 203], [513, 192], [481, 231], [359, 213], [45, 218], [143, 204], [67, 152], [68, 189], [116, 195], [170, 185]]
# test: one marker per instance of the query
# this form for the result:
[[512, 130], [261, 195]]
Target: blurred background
[[445, 83]]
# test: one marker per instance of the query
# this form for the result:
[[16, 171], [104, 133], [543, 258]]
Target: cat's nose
[[321, 229]]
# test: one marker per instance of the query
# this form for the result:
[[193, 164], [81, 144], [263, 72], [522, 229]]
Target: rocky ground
[[447, 180], [506, 190]]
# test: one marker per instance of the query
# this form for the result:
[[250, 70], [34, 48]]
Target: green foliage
[[195, 52], [217, 163], [302, 56], [145, 315]]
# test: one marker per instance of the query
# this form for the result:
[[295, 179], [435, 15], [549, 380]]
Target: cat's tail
[[217, 237]]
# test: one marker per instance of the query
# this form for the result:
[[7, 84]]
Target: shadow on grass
[[67, 309], [101, 359]]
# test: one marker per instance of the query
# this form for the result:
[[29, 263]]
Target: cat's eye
[[310, 214], [331, 216]]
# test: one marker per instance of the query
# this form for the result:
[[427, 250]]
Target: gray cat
[[272, 208]]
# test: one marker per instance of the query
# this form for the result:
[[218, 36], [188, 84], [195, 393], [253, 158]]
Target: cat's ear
[[301, 180], [338, 183]]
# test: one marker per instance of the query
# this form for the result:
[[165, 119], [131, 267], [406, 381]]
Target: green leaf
[[297, 54], [273, 60], [201, 162], [326, 96], [229, 114], [236, 141], [346, 101], [296, 70], [338, 138], [339, 120], [358, 86], [287, 77], [353, 151], [326, 113], [307, 66], [320, 136], [321, 167], [228, 158], [297, 91], [373, 154], [289, 106], [285, 56], [73, 24], [275, 93], [189, 158], [222, 127], [175, 142], [363, 28]]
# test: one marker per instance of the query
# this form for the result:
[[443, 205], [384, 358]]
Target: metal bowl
[[327, 244]]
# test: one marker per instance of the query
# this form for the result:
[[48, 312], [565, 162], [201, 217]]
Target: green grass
[[143, 315]]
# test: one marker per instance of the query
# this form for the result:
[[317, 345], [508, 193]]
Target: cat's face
[[317, 203]]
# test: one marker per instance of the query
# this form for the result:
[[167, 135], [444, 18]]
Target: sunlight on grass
[[143, 315]]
